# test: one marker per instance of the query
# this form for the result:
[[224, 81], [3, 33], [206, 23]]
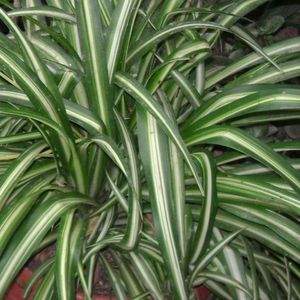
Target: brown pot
[[17, 289], [202, 293]]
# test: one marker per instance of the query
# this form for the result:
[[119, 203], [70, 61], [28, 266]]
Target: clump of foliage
[[121, 132]]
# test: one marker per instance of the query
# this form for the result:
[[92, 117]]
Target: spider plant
[[111, 115]]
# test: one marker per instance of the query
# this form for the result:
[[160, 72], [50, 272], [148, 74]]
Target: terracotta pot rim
[[17, 289]]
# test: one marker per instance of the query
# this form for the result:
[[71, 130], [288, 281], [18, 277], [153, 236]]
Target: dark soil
[[101, 286]]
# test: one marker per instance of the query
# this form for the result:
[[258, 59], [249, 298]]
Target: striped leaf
[[37, 274], [240, 141], [33, 230], [142, 47], [64, 284], [211, 254], [209, 206], [117, 32], [257, 102], [147, 274], [134, 208], [95, 63], [223, 279], [156, 161], [9, 180], [12, 215], [145, 99], [114, 279], [45, 11]]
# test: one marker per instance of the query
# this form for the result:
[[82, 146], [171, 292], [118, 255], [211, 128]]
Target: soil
[[102, 285]]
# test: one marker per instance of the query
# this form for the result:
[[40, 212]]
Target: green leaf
[[31, 233], [257, 102], [239, 140], [50, 103], [13, 214], [155, 157], [271, 25], [251, 261], [114, 279], [82, 280], [266, 74], [133, 227], [29, 27], [209, 206], [276, 49], [132, 284], [206, 259], [185, 50], [145, 45], [147, 274], [42, 269], [225, 280], [9, 180], [111, 149], [42, 11], [95, 63], [232, 265], [258, 232], [144, 98], [64, 284], [46, 289], [281, 225], [117, 32], [289, 283]]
